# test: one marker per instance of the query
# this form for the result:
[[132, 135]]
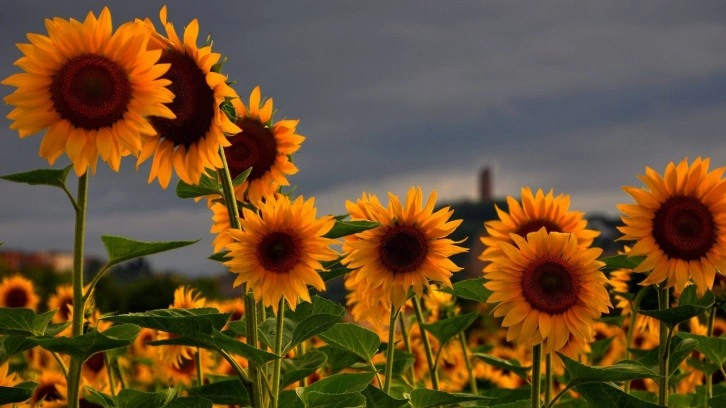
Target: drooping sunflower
[[91, 87], [184, 298], [534, 212], [547, 288], [51, 392], [263, 145], [18, 291], [62, 302], [188, 143], [408, 250], [279, 249], [679, 224]]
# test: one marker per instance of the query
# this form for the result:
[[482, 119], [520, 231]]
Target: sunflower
[[91, 88], [184, 298], [18, 291], [189, 142], [368, 304], [278, 250], [407, 250], [7, 380], [51, 391], [185, 371], [62, 302], [547, 288], [263, 145], [439, 304], [624, 281], [679, 224], [535, 211]]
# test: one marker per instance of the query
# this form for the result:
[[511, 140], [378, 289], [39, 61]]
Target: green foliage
[[359, 341], [379, 399], [689, 305], [714, 348], [622, 261], [181, 321], [345, 228], [47, 177], [469, 289], [207, 186], [337, 390], [23, 321], [502, 364], [121, 249], [606, 395], [90, 342], [446, 329], [18, 393], [227, 392], [624, 371], [296, 369], [425, 398]]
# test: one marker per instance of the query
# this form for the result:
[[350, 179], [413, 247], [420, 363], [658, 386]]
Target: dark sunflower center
[[684, 228], [65, 308], [536, 225], [187, 366], [549, 286], [403, 249], [47, 392], [16, 297], [255, 147], [193, 102], [278, 252], [95, 363], [91, 91]]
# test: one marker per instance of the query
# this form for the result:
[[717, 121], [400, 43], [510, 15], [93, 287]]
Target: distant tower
[[485, 185]]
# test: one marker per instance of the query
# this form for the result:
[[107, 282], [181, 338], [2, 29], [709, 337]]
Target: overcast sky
[[575, 96]]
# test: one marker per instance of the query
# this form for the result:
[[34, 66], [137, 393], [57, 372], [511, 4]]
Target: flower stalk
[[664, 352], [427, 344], [278, 350], [549, 379], [389, 349], [536, 374]]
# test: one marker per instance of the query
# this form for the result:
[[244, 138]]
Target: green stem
[[663, 303], [469, 366], [111, 385], [709, 333], [278, 350], [536, 374], [549, 380], [427, 345], [250, 318], [389, 349], [634, 306], [61, 364], [407, 342], [74, 373]]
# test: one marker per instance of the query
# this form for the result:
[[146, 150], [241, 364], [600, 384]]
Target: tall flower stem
[[278, 351], [469, 367], [200, 369], [536, 374], [74, 371], [389, 349], [709, 333], [427, 344], [635, 306], [549, 379], [250, 305], [664, 354]]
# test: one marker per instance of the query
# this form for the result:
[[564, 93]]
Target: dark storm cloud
[[575, 97]]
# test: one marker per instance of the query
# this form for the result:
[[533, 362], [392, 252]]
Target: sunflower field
[[549, 322]]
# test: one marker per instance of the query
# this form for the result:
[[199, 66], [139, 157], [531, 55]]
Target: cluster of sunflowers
[[96, 91]]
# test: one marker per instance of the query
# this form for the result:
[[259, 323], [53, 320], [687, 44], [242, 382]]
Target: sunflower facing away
[[188, 143], [18, 291], [279, 249], [547, 288], [91, 88], [679, 224], [535, 211], [408, 250]]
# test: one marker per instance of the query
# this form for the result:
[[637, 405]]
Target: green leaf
[[226, 392], [267, 330], [295, 369], [91, 342], [219, 341], [130, 398], [340, 383], [604, 395], [180, 321], [445, 329], [319, 305], [207, 186], [321, 400], [220, 256], [356, 339], [23, 322], [47, 177], [121, 249], [242, 177], [622, 261], [339, 358], [99, 398], [345, 228], [18, 393], [502, 364], [689, 305], [718, 401], [10, 345], [712, 347], [680, 350], [581, 374], [424, 398], [190, 402], [311, 326], [379, 399], [469, 289]]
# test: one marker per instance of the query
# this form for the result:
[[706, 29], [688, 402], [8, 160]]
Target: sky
[[574, 96]]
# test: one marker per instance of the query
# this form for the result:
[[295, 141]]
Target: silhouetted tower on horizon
[[485, 185]]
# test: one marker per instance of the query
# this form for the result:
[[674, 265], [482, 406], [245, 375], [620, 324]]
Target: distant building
[[57, 261]]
